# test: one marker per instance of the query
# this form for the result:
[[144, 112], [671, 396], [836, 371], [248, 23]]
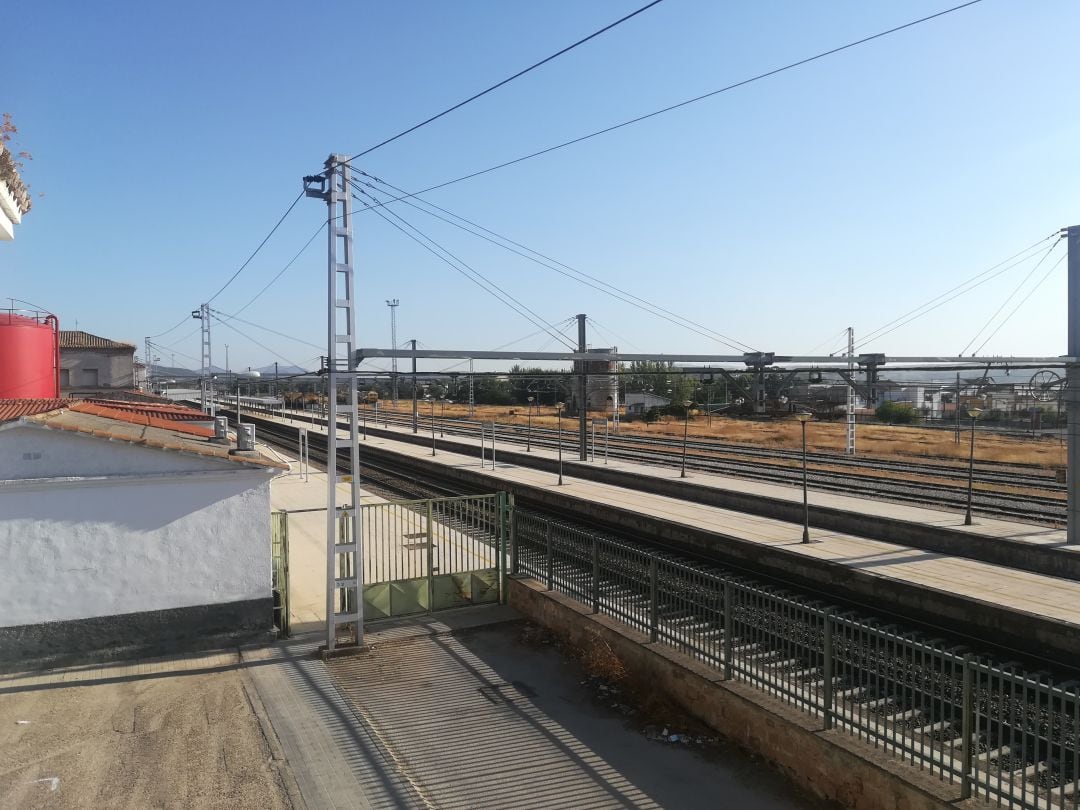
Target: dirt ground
[[871, 440], [171, 734]]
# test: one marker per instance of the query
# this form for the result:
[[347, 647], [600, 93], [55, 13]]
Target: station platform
[[1033, 613]]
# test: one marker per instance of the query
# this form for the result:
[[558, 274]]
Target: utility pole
[[275, 378], [344, 559], [472, 390], [202, 314], [956, 409], [415, 418], [149, 366], [393, 304], [1072, 386], [583, 393], [849, 448]]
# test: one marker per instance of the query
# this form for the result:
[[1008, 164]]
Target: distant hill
[[282, 370]]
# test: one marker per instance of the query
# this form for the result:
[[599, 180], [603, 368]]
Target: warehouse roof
[[77, 339]]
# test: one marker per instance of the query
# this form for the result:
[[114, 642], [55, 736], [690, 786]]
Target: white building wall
[[114, 369], [37, 452], [78, 549]]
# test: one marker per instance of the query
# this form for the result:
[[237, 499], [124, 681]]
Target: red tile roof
[[169, 411], [137, 417], [14, 408], [77, 339]]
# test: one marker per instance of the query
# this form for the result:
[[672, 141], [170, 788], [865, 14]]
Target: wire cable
[[254, 253], [257, 343], [695, 99], [586, 279], [506, 345], [464, 269], [1009, 298], [960, 289], [1022, 302], [226, 316], [505, 81], [281, 272]]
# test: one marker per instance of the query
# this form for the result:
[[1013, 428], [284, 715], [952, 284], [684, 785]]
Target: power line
[[468, 271], [696, 99], [281, 272], [266, 239], [257, 343], [507, 345], [1009, 298], [1031, 292], [183, 320], [586, 279], [505, 81], [226, 316], [960, 289]]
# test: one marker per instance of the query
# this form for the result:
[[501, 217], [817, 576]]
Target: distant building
[[639, 402], [92, 365], [126, 531]]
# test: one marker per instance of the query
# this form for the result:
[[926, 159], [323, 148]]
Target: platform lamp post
[[443, 402], [974, 414], [528, 436], [431, 401], [559, 406], [686, 427], [804, 417]]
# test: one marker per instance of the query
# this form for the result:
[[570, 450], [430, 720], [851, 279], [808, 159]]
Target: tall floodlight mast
[[393, 304]]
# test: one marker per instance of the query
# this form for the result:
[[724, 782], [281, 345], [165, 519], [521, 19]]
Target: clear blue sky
[[168, 137]]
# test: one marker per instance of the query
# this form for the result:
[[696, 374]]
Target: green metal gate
[[432, 554], [279, 552]]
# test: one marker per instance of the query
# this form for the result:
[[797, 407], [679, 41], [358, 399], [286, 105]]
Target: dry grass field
[[887, 441]]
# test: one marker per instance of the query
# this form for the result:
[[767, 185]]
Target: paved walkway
[[453, 711], [1054, 598]]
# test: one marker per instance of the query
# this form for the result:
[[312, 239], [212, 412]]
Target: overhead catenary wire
[[508, 345], [281, 272], [230, 325], [226, 316], [1009, 298], [953, 293], [504, 82], [1023, 301], [255, 252], [578, 276], [458, 265], [695, 99]]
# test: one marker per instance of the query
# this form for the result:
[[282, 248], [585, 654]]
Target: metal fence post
[[654, 607], [430, 559], [966, 728], [595, 574], [513, 536], [729, 634], [500, 545], [827, 668], [550, 558]]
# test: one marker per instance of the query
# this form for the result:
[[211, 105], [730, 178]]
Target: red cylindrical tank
[[29, 356]]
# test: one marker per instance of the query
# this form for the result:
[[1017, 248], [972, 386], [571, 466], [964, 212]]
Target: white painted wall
[[73, 549], [28, 451]]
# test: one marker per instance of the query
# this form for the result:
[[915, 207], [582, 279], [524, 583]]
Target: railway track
[[1024, 743], [930, 483]]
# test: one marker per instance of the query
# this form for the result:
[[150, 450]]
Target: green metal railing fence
[[279, 554], [999, 732], [429, 554]]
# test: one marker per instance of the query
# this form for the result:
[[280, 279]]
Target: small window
[[65, 378], [89, 377]]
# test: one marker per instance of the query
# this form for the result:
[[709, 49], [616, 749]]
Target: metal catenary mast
[[344, 546]]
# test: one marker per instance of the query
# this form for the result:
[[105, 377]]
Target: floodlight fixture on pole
[[974, 414], [686, 426], [804, 417]]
